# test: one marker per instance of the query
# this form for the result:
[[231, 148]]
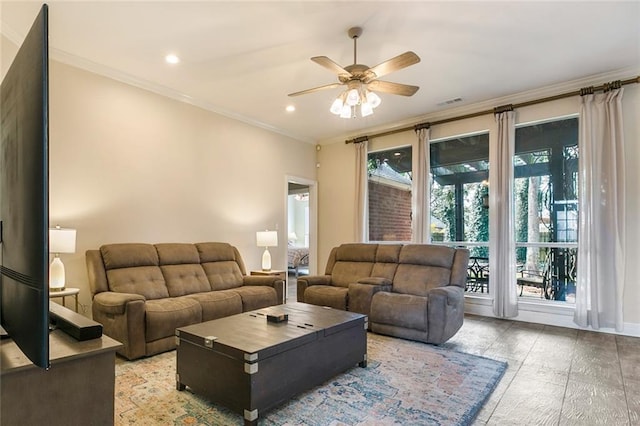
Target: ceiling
[[241, 59]]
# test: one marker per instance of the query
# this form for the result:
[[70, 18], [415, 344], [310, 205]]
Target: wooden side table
[[68, 291], [274, 273]]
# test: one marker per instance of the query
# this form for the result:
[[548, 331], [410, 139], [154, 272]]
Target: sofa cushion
[[145, 280], [128, 255], [256, 296], [218, 304], [422, 268], [388, 253], [427, 255], [418, 279], [223, 275], [357, 252], [185, 279], [384, 270], [345, 273], [163, 316], [215, 252], [326, 295], [177, 253], [401, 310]]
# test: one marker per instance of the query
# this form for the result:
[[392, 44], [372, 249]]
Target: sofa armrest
[[115, 303], [270, 281], [122, 316], [361, 294], [304, 282], [445, 312], [375, 281]]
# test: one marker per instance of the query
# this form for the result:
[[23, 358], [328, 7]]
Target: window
[[389, 189], [459, 201], [546, 209]]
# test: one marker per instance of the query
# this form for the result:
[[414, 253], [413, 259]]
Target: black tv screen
[[24, 199]]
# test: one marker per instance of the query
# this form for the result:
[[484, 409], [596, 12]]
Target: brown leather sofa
[[412, 291], [143, 292]]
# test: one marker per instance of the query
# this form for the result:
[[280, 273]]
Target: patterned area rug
[[405, 383]]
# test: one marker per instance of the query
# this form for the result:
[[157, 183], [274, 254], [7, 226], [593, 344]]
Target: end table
[[68, 291]]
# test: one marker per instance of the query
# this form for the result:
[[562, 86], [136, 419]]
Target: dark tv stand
[[77, 389]]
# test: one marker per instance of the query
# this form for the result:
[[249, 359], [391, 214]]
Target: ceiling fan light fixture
[[358, 78], [366, 109], [336, 106], [373, 99], [353, 97], [346, 112]]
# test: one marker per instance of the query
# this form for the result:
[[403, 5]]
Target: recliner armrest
[[445, 313], [375, 281], [316, 280], [122, 316], [304, 282], [270, 281], [111, 302], [361, 295]]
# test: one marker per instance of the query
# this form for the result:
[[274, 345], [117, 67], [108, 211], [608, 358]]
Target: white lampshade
[[353, 97], [62, 240], [373, 99], [366, 109], [267, 238], [336, 106], [346, 111], [292, 236]]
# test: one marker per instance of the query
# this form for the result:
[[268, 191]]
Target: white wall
[[127, 165], [337, 171]]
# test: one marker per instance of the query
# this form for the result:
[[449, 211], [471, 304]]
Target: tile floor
[[556, 376]]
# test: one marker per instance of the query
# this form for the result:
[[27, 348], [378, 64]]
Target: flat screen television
[[24, 195]]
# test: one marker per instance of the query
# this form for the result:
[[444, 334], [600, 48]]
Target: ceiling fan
[[362, 81]]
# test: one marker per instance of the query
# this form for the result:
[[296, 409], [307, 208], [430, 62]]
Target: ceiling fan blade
[[394, 64], [392, 88], [316, 89], [330, 65]]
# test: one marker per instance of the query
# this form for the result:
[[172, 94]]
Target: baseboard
[[559, 316]]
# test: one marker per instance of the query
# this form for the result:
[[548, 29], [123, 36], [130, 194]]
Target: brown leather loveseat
[[412, 291], [143, 292]]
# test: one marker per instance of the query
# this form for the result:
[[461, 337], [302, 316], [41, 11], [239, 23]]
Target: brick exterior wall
[[389, 213]]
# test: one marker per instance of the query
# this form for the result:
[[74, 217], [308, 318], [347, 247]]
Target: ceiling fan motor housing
[[357, 71]]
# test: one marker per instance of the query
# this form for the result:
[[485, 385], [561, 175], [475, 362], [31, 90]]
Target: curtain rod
[[584, 91]]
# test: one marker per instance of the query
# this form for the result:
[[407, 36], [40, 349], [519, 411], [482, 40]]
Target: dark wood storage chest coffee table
[[250, 364]]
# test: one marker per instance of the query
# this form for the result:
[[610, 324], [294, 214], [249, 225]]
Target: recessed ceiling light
[[290, 108], [171, 59]]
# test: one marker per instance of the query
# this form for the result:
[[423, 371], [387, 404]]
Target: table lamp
[[61, 240], [266, 239]]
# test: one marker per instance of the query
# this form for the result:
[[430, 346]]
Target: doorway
[[301, 221]]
